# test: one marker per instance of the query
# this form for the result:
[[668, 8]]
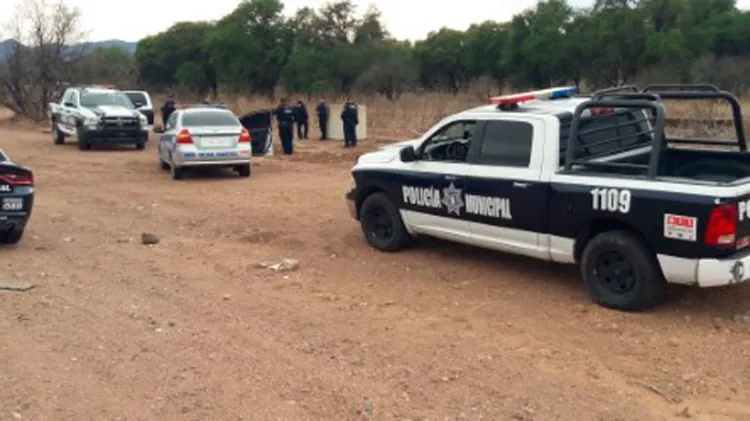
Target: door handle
[[520, 185]]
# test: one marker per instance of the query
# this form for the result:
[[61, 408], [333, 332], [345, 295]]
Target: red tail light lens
[[722, 226], [596, 112], [244, 136], [184, 137], [17, 178]]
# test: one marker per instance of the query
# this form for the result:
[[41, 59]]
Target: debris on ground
[[16, 285], [149, 239], [286, 265]]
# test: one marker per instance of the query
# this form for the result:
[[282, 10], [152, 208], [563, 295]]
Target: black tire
[[11, 237], [57, 136], [621, 272], [83, 143], [381, 223], [140, 145], [175, 172], [244, 170]]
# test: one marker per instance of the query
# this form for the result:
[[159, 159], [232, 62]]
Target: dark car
[[16, 199]]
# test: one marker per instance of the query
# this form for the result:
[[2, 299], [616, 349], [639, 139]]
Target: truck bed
[[716, 166]]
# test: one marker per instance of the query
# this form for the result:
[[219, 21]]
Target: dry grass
[[413, 113]]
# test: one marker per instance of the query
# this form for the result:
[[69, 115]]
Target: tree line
[[256, 48]]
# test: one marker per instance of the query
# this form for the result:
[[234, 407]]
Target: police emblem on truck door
[[452, 199]]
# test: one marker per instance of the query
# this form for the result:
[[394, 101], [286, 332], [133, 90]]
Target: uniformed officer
[[322, 110], [300, 115], [350, 118], [285, 119], [167, 109]]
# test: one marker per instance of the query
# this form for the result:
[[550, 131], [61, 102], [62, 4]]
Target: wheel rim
[[615, 272], [381, 225]]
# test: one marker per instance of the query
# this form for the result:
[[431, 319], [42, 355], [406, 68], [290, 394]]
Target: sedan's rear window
[[209, 118]]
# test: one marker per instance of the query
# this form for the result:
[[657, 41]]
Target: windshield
[[209, 118], [137, 97], [95, 99]]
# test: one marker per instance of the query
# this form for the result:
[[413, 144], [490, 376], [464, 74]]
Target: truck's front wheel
[[621, 272], [382, 224], [57, 136], [83, 143]]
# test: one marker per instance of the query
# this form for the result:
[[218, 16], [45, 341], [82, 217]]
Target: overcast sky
[[132, 20]]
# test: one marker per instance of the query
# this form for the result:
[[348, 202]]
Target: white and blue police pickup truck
[[97, 115], [589, 180]]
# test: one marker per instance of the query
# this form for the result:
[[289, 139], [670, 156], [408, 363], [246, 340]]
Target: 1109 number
[[610, 200]]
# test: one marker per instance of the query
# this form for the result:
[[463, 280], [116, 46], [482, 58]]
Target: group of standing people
[[287, 115]]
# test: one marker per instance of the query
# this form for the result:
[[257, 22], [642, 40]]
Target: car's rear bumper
[[707, 272], [224, 157]]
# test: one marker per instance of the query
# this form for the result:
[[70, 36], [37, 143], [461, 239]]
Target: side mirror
[[69, 104], [408, 154], [158, 129]]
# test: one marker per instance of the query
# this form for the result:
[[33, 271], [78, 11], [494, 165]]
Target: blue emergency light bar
[[544, 94]]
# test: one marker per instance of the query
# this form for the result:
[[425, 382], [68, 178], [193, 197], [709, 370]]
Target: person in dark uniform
[[285, 119], [300, 115], [322, 110], [167, 109], [350, 118]]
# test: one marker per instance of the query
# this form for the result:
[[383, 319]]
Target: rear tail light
[[722, 226], [244, 136], [596, 112], [184, 137], [17, 178]]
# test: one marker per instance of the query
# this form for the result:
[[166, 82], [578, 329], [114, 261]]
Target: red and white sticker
[[679, 227]]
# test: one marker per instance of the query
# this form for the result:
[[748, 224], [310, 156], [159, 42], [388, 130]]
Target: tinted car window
[[95, 99], [506, 143], [137, 97], [209, 118]]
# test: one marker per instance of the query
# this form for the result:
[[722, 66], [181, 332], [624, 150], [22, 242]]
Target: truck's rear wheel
[[621, 272], [381, 223], [244, 170]]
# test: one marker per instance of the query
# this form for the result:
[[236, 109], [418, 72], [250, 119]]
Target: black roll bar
[[657, 109], [716, 94]]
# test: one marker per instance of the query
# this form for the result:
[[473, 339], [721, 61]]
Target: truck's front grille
[[121, 123]]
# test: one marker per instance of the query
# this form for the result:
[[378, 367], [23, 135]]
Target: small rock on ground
[[16, 285], [285, 265], [148, 238]]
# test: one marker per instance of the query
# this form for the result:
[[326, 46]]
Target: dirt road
[[192, 329]]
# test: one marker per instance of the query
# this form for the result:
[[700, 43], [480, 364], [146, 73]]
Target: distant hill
[[7, 46]]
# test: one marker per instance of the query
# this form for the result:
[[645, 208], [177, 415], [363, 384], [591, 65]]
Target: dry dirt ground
[[192, 329]]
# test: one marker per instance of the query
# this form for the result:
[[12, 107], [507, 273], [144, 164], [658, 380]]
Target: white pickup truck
[[586, 180], [97, 116]]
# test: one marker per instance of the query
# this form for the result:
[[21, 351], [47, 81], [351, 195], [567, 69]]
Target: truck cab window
[[507, 144], [450, 143]]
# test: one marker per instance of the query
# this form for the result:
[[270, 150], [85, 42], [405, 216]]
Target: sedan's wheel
[[244, 170]]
